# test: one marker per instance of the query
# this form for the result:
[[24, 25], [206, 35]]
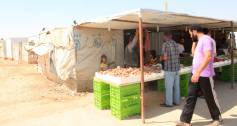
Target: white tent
[[154, 18], [2, 48], [18, 53]]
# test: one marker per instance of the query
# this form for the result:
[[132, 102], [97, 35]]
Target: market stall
[[122, 89]]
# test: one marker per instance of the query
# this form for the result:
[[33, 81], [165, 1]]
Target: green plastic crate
[[124, 91], [102, 102], [226, 73], [99, 85], [101, 94], [161, 85], [125, 100], [184, 84], [187, 61], [126, 112]]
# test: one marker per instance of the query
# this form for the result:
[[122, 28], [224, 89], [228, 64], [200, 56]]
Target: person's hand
[[195, 77], [190, 32]]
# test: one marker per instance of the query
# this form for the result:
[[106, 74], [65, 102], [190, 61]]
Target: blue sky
[[27, 17]]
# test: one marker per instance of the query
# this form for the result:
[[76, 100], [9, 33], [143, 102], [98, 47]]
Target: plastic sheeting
[[2, 49], [91, 44], [62, 37], [8, 49], [18, 52], [59, 45], [152, 18], [42, 49], [64, 62], [76, 53]]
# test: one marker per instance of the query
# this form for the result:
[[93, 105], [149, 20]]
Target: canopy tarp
[[154, 18]]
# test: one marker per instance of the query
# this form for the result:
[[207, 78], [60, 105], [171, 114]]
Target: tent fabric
[[59, 37], [62, 37], [18, 53], [87, 44], [64, 62], [42, 49], [153, 18], [2, 49], [91, 44], [59, 44]]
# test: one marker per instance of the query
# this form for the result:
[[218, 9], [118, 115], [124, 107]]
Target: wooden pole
[[232, 56], [142, 68]]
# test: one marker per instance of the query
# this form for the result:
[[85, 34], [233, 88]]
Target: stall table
[[124, 99]]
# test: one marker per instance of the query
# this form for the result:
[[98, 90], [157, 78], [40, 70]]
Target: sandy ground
[[29, 99]]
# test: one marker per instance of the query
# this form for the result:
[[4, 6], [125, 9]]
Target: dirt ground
[[28, 99]]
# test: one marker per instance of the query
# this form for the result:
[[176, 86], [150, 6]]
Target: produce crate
[[226, 73], [124, 91], [125, 100], [101, 94], [102, 101], [161, 85], [187, 61], [184, 83], [126, 112]]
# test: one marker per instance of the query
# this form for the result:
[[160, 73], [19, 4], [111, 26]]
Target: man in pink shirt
[[202, 80]]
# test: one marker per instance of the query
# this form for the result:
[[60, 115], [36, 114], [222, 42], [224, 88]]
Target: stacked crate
[[161, 85], [101, 94], [187, 61], [184, 82], [226, 73], [125, 100]]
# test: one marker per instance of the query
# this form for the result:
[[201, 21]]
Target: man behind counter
[[131, 52]]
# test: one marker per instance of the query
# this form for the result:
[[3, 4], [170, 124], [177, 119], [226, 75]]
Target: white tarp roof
[[42, 49], [152, 18]]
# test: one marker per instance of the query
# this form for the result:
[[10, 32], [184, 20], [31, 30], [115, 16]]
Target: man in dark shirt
[[131, 56]]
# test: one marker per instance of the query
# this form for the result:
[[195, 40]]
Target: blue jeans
[[172, 88]]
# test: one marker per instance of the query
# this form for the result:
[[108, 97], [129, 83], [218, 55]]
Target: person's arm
[[194, 44], [164, 53], [214, 46], [132, 44]]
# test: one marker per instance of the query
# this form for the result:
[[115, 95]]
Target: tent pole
[[232, 55], [141, 67]]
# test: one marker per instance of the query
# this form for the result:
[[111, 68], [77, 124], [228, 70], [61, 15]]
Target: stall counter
[[122, 81]]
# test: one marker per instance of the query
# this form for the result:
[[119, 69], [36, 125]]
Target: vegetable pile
[[127, 72]]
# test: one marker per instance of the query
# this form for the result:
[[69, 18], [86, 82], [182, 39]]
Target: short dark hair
[[103, 56], [205, 31], [197, 28]]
